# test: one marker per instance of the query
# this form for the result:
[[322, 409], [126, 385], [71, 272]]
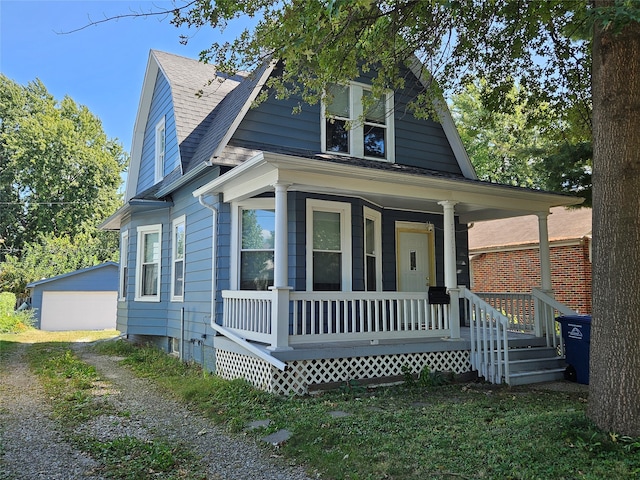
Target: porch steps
[[534, 365]]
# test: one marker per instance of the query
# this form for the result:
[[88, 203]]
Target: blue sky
[[102, 66]]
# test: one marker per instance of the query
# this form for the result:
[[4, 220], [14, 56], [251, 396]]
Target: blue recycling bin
[[576, 335]]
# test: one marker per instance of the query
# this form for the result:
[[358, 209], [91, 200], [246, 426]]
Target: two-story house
[[294, 249]]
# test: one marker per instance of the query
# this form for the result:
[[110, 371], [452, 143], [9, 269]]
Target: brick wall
[[519, 271]]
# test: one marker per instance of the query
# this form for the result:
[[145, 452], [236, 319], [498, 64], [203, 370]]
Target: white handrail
[[546, 307], [489, 338], [517, 307]]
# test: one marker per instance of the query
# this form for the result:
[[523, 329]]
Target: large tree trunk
[[614, 390]]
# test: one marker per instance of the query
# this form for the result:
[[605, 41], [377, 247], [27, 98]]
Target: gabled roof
[[76, 272], [205, 123], [196, 89], [564, 224]]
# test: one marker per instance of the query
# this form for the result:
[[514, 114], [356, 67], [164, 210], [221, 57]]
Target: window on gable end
[[160, 150], [357, 124]]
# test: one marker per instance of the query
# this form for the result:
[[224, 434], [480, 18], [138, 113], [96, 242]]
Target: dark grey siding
[[161, 105], [297, 247], [419, 143]]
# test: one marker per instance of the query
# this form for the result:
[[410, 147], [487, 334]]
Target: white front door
[[414, 257]]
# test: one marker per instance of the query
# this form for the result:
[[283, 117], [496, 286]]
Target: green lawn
[[469, 431]]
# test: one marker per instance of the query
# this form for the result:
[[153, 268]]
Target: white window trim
[[344, 209], [268, 203], [356, 136], [142, 230], [124, 263], [376, 216], [160, 151], [176, 222]]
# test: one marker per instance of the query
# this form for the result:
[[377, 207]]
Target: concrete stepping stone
[[258, 424], [277, 438]]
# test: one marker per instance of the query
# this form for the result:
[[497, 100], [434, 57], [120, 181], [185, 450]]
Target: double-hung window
[[255, 227], [149, 261], [372, 250], [177, 256], [328, 246], [160, 150], [358, 124]]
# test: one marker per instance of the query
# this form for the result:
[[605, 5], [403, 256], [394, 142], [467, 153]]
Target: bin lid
[[574, 318]]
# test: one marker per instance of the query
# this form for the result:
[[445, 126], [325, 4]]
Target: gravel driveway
[[33, 447]]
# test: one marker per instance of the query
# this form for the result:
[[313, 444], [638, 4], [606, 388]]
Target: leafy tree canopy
[[50, 255], [59, 173], [527, 146]]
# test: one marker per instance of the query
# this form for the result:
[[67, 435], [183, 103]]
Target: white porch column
[[540, 326], [545, 255], [281, 247], [280, 289], [450, 266]]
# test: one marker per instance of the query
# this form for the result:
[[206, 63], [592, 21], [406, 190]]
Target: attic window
[[160, 150], [357, 124]]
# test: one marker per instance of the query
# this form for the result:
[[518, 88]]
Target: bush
[[10, 320]]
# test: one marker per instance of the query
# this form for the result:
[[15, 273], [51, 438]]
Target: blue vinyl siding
[[161, 105], [149, 318], [418, 143]]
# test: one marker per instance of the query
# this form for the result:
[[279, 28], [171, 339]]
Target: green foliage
[[528, 146], [12, 321], [67, 380], [59, 173], [49, 256], [7, 303], [132, 458]]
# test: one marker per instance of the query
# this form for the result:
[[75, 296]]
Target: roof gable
[[209, 108], [95, 268], [196, 89]]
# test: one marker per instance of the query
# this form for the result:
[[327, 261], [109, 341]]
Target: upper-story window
[[357, 124], [161, 147]]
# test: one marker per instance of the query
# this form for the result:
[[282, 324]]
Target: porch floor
[[360, 348]]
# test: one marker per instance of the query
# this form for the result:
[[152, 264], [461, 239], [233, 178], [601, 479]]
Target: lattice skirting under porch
[[300, 374]]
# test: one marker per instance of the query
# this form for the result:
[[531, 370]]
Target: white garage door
[[78, 310]]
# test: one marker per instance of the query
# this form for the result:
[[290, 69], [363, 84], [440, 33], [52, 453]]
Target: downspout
[[214, 244]]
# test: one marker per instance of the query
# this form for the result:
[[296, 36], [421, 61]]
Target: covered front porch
[[286, 339]]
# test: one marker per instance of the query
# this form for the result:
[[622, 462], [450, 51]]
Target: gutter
[[184, 179]]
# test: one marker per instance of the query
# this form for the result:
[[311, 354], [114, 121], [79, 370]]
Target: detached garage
[[86, 299]]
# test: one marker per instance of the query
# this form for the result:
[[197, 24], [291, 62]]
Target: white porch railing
[[344, 316], [248, 314], [547, 309], [335, 316], [489, 340], [517, 307]]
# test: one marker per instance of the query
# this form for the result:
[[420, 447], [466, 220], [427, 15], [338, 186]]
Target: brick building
[[505, 256]]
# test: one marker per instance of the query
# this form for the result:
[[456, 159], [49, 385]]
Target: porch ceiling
[[405, 190]]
